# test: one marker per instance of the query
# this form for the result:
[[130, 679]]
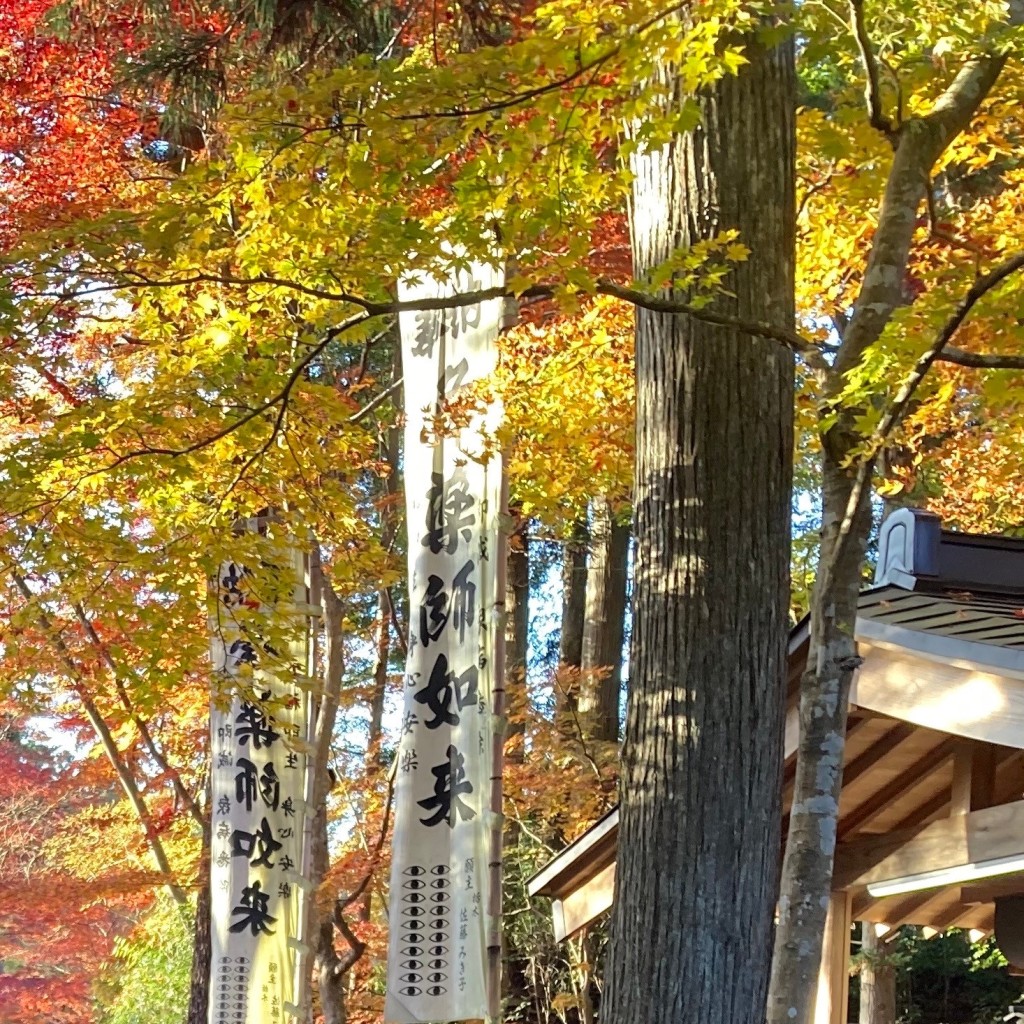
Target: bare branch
[[981, 360], [645, 300], [377, 402], [280, 397]]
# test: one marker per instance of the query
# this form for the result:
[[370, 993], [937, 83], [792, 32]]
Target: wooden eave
[[934, 765]]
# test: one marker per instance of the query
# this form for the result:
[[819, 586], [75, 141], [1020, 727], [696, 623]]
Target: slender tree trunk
[[122, 769], [574, 601], [517, 635], [382, 654], [199, 986], [604, 626], [388, 525], [574, 596], [319, 918], [824, 701], [877, 980], [846, 526], [327, 963], [699, 828]]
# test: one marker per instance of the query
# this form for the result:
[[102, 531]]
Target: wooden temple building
[[931, 818]]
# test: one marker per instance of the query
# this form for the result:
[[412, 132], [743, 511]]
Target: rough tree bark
[[846, 525], [699, 830], [603, 626], [877, 980]]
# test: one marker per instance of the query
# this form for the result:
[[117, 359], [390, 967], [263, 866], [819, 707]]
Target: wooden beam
[[852, 771], [974, 772], [865, 812], [863, 903], [950, 842], [919, 816], [1010, 778], [984, 762], [834, 973], [990, 889], [579, 861], [952, 918], [967, 689], [578, 908], [922, 908]]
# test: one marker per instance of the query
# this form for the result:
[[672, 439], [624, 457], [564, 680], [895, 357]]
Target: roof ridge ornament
[[908, 547]]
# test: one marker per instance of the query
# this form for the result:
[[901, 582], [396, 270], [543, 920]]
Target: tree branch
[[140, 723], [981, 360], [981, 287], [921, 142], [637, 297], [377, 402], [872, 88], [106, 739], [897, 410], [280, 397]]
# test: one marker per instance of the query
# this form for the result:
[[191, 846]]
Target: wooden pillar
[[974, 772], [834, 973]]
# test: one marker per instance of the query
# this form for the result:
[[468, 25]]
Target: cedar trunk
[[699, 828], [603, 626]]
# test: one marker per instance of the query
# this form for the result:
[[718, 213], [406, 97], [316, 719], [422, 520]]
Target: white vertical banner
[[441, 921], [259, 722]]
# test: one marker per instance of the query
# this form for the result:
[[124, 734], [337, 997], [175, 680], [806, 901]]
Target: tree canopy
[[207, 207]]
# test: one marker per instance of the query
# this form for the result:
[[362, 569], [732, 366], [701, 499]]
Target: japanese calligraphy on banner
[[440, 912], [259, 738]]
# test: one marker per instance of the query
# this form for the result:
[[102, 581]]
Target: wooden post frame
[[834, 973]]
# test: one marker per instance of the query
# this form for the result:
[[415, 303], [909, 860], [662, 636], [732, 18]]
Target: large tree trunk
[[877, 980], [699, 828], [603, 626]]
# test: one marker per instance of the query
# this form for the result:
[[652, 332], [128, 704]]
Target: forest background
[[206, 207]]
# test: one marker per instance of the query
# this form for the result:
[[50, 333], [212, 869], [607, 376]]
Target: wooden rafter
[[862, 814], [900, 733]]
